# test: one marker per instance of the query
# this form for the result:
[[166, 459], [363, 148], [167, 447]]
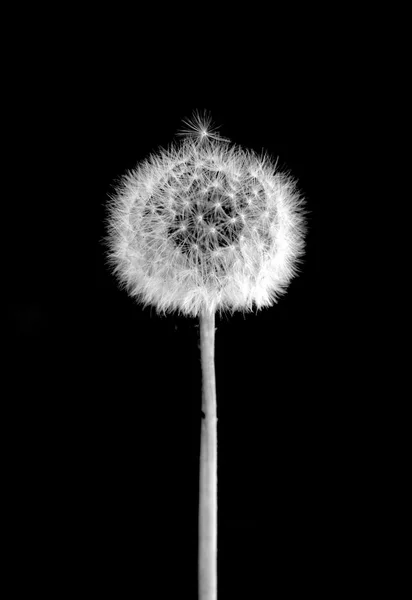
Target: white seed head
[[205, 226]]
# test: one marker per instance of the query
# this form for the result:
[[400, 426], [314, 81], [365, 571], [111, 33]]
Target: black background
[[101, 402]]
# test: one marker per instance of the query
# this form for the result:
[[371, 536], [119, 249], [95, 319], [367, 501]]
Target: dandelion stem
[[208, 464]]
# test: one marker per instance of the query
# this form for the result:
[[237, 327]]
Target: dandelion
[[201, 227]]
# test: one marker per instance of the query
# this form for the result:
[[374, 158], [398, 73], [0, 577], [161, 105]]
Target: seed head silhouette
[[205, 226]]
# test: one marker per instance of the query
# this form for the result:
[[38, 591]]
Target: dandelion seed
[[200, 128]]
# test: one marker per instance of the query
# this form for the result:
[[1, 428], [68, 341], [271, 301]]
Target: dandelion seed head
[[205, 226]]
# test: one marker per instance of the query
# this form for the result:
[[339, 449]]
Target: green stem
[[208, 464]]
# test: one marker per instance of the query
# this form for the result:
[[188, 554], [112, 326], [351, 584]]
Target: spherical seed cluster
[[205, 226]]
